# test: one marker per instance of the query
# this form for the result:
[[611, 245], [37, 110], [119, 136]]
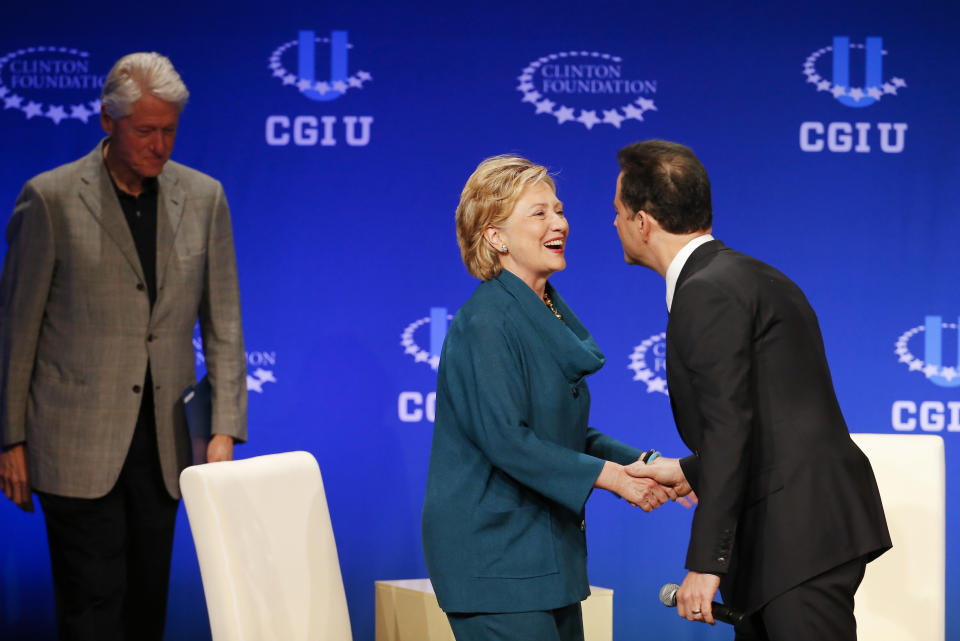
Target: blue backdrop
[[829, 131]]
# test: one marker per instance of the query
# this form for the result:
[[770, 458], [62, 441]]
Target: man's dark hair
[[666, 180]]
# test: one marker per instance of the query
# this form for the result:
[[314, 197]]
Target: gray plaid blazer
[[77, 332]]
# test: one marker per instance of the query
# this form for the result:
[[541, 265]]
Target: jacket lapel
[[99, 196], [170, 203], [699, 259]]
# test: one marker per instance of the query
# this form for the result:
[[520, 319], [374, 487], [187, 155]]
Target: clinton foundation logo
[[260, 365], [318, 68], [51, 83], [938, 343], [852, 73], [422, 340], [587, 87], [649, 363]]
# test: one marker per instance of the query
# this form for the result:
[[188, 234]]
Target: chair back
[[265, 544], [902, 597]]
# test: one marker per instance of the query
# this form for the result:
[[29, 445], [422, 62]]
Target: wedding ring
[[694, 611]]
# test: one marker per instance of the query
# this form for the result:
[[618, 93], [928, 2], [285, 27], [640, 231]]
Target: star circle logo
[[437, 323], [931, 365], [649, 358], [587, 87], [841, 85], [304, 80]]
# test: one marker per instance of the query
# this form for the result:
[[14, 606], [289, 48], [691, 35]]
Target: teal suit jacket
[[513, 460]]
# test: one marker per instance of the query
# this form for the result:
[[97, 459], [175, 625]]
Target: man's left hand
[[220, 448], [695, 597]]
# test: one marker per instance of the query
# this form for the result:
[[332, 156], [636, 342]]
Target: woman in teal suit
[[513, 460]]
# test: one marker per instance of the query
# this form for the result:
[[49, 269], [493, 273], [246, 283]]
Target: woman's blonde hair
[[487, 200]]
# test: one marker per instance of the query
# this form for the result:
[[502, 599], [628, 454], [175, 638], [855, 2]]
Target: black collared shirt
[[141, 214]]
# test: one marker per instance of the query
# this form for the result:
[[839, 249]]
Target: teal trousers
[[562, 624]]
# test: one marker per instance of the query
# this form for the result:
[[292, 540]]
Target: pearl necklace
[[546, 299]]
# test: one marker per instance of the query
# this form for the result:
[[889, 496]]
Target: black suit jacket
[[784, 492]]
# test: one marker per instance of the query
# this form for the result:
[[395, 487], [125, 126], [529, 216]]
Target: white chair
[[267, 555], [902, 597]]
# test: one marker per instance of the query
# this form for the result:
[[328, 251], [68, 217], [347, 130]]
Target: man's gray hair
[[136, 74]]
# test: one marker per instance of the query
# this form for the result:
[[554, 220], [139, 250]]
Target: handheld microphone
[[721, 612]]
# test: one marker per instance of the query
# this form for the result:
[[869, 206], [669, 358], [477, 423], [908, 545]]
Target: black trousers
[[821, 609], [110, 556]]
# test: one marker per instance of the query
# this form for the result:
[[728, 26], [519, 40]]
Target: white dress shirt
[[676, 265]]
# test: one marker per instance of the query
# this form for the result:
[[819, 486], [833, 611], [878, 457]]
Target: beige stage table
[[407, 610]]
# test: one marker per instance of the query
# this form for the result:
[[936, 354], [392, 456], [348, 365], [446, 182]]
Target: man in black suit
[[789, 511]]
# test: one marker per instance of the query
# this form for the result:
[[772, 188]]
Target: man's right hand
[[665, 471], [14, 477]]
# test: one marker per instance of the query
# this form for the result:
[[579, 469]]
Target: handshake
[[647, 485]]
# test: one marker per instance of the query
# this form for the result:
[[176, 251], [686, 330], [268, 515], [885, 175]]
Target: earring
[[503, 248]]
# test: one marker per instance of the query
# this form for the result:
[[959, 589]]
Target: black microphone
[[721, 612]]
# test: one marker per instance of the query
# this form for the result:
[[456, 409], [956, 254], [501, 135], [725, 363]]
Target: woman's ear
[[492, 236]]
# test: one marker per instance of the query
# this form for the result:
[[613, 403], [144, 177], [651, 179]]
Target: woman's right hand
[[644, 493]]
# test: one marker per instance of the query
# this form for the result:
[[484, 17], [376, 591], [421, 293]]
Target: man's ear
[[107, 123], [644, 223]]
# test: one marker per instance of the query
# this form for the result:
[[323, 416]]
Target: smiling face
[[141, 143], [535, 235]]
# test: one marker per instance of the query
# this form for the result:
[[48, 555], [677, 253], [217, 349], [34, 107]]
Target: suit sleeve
[[24, 286], [221, 328], [691, 471], [713, 331], [486, 379]]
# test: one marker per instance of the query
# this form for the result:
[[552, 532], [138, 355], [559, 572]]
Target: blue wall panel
[[343, 199]]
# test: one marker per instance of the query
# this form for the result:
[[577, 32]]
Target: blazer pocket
[[762, 485], [189, 251], [514, 544], [191, 237], [189, 254], [61, 407], [54, 374], [191, 265]]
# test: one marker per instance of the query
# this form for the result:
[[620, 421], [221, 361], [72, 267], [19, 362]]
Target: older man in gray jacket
[[112, 260]]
